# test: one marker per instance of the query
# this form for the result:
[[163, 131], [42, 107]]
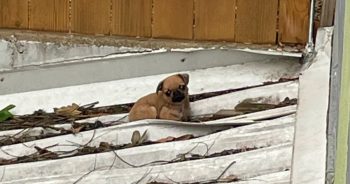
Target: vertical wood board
[[256, 21], [293, 21], [173, 19], [51, 15], [132, 17], [14, 14], [91, 16], [214, 19]]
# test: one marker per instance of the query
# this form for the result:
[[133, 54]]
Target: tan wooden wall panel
[[51, 15], [293, 21], [132, 17], [91, 16], [214, 19], [256, 21], [173, 19], [14, 13]]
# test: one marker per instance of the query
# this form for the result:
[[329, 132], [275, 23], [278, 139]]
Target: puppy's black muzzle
[[178, 96]]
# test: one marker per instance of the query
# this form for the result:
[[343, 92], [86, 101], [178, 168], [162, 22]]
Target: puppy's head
[[174, 88]]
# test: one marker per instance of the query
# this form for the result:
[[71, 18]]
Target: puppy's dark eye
[[168, 93], [182, 87]]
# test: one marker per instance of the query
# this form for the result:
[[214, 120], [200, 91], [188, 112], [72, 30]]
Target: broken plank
[[242, 165], [221, 141], [271, 69], [271, 178], [121, 134], [274, 93]]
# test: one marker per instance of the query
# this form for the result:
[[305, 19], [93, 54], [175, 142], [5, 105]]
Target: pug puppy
[[171, 101]]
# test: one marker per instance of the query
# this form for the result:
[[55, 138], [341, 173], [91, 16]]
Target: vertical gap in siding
[[152, 18], [234, 19], [29, 12], [277, 23], [194, 19], [69, 16]]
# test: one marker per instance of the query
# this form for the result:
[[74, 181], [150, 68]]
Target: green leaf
[[9, 107], [5, 114]]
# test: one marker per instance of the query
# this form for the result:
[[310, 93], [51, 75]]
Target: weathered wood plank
[[132, 17], [327, 15], [14, 13], [234, 138], [293, 21], [256, 21], [52, 15], [214, 19], [90, 16], [173, 19]]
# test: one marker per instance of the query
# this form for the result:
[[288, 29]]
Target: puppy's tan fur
[[161, 105]]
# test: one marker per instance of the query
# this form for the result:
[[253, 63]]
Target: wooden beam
[[327, 15]]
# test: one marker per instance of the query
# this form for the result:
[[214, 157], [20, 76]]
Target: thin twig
[[115, 153], [94, 169], [233, 162], [3, 174], [8, 153], [144, 176], [93, 135], [172, 180]]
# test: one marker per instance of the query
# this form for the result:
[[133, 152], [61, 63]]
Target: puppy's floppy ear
[[160, 86], [185, 77]]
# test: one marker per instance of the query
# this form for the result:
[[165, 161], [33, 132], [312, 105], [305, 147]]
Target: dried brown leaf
[[184, 137], [77, 129], [166, 139], [229, 178], [135, 138], [68, 111]]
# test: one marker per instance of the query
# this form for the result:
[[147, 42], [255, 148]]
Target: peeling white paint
[[29, 53], [236, 138], [309, 155], [129, 90], [206, 169]]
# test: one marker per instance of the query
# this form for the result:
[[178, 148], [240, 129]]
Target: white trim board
[[309, 154], [131, 66]]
